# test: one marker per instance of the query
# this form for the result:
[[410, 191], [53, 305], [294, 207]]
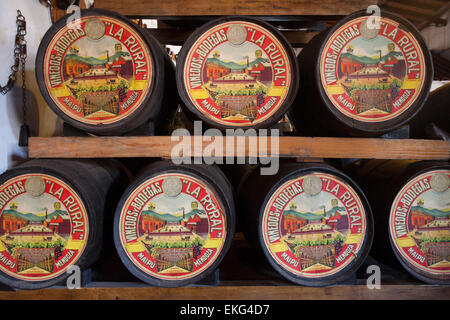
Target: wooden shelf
[[294, 147], [137, 291]]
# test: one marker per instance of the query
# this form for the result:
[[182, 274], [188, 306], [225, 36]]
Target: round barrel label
[[97, 70], [237, 73], [314, 234], [43, 227], [172, 227], [371, 72], [419, 223]]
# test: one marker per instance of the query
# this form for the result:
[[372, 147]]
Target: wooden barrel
[[104, 74], [362, 79], [312, 222], [174, 224], [51, 218], [413, 217], [237, 72]]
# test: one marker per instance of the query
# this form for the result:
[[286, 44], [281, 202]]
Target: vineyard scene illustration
[[372, 79], [315, 237], [238, 84], [174, 240], [99, 83], [431, 232], [36, 239]]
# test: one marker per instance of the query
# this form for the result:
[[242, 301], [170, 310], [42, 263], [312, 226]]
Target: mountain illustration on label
[[99, 84], [315, 238], [174, 240], [240, 88]]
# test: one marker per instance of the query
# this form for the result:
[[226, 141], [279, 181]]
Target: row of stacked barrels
[[104, 74], [174, 224]]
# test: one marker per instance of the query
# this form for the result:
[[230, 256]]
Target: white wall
[[38, 21]]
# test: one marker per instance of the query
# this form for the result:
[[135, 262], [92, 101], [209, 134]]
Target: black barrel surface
[[313, 222], [51, 218], [174, 224], [435, 111], [362, 78], [237, 72], [104, 74]]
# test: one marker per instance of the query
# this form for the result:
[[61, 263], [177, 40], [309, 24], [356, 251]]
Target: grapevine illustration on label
[[237, 73], [420, 223], [172, 227], [43, 227], [97, 71], [314, 225], [372, 75]]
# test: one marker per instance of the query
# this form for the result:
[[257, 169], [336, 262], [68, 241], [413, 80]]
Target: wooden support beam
[[157, 8], [234, 292], [295, 147]]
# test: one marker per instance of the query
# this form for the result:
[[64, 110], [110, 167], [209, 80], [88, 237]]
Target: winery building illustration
[[239, 88], [35, 241], [315, 238], [98, 84], [372, 82], [174, 241], [430, 230]]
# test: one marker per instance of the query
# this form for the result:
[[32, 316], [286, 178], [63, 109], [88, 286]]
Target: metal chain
[[20, 54], [24, 91], [21, 30]]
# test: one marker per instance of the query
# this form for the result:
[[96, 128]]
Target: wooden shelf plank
[[294, 147], [231, 292], [156, 8]]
